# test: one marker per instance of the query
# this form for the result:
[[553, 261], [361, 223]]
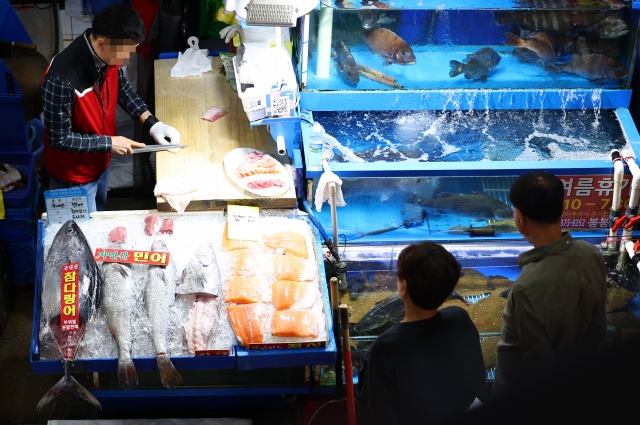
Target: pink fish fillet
[[214, 113], [167, 226], [150, 225], [201, 324], [118, 235], [265, 184]]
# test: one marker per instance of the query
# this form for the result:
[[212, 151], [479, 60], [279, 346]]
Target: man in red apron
[[80, 91]]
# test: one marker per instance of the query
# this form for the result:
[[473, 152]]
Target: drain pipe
[[614, 212], [632, 208]]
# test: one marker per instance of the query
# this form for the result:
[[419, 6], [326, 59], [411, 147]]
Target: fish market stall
[[231, 306]]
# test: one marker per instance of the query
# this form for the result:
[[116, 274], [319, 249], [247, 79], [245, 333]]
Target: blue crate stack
[[20, 145]]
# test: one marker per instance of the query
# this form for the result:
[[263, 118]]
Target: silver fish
[[118, 304], [159, 294], [202, 275], [69, 246]]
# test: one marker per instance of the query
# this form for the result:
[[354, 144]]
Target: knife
[[156, 148]]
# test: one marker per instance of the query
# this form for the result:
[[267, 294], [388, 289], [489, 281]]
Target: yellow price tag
[[243, 222]]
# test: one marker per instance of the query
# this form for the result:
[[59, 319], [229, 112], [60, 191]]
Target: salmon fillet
[[248, 322], [290, 267], [242, 290], [297, 295], [242, 262], [294, 323], [233, 244], [287, 242]]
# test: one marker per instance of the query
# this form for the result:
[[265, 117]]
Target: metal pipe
[[614, 212], [632, 208]]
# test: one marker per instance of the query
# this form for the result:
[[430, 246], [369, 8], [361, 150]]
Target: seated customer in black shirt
[[427, 369]]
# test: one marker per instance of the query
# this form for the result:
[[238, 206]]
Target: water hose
[[348, 367]]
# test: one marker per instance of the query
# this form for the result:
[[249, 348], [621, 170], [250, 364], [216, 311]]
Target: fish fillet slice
[[201, 324], [248, 322], [234, 244], [294, 323], [287, 242], [297, 295], [243, 290], [290, 267], [242, 262]]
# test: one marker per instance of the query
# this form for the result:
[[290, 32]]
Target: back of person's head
[[431, 273], [539, 196], [119, 22]]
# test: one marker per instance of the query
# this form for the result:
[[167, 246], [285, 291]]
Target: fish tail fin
[[68, 385], [457, 68], [512, 39], [503, 17], [127, 376], [169, 375]]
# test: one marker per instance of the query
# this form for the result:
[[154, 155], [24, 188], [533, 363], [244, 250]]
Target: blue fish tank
[[430, 110]]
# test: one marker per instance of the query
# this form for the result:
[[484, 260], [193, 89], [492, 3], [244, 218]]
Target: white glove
[[229, 32], [164, 134]]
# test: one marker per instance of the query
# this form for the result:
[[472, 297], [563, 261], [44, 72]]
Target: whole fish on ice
[[159, 294], [389, 45], [69, 246], [477, 66], [202, 275]]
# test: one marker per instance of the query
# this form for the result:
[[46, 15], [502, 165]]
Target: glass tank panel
[[468, 136], [501, 44]]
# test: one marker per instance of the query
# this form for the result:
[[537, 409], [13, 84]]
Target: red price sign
[[588, 199], [69, 311], [153, 258]]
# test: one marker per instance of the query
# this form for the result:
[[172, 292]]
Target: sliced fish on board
[[69, 246]]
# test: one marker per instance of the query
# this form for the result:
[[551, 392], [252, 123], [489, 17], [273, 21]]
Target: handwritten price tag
[[66, 204], [243, 222]]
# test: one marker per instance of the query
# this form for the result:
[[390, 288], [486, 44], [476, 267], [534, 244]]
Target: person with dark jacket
[[554, 319], [428, 369], [81, 90]]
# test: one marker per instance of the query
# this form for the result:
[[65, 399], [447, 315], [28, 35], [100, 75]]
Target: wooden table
[[181, 102]]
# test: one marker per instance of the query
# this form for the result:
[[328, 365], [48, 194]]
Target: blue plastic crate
[[22, 161]]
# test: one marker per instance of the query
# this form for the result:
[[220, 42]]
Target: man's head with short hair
[[430, 273], [115, 33], [538, 196]]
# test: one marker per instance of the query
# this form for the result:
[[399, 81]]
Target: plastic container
[[21, 161], [316, 140]]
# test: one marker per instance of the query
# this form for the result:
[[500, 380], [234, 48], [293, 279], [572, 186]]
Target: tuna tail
[[169, 375], [127, 376], [512, 39], [68, 385], [457, 68]]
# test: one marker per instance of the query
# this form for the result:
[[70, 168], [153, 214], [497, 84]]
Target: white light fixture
[[277, 13]]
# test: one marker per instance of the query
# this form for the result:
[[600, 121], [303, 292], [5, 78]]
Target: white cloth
[[322, 192], [177, 194], [229, 32], [193, 61]]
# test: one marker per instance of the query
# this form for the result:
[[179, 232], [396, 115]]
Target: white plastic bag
[[193, 61]]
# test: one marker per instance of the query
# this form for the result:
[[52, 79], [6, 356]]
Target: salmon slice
[[233, 244], [248, 322], [242, 262], [242, 290], [287, 243], [290, 267], [297, 295], [294, 323]]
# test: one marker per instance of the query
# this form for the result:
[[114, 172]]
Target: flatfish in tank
[[345, 63], [471, 283], [477, 66], [499, 283], [489, 351], [623, 318], [617, 296], [486, 314], [385, 281], [596, 68], [389, 45], [474, 204], [540, 44], [357, 284]]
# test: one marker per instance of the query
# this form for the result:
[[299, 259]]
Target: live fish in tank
[[478, 65], [389, 45], [544, 4], [596, 68], [372, 18], [603, 23], [567, 45], [525, 55], [539, 43], [474, 204], [375, 3], [345, 63]]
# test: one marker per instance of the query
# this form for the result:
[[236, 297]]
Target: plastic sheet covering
[[166, 421]]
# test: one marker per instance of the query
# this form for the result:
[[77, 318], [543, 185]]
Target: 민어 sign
[[69, 312], [152, 258]]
